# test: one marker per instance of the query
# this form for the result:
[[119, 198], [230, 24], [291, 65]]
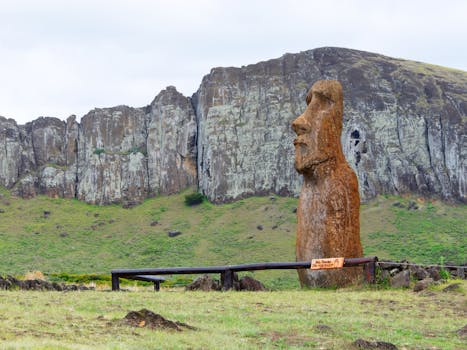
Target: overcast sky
[[67, 57]]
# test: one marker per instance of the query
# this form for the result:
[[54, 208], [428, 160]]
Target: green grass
[[323, 319], [433, 232], [77, 238]]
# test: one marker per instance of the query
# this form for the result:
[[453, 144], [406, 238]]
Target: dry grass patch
[[323, 319]]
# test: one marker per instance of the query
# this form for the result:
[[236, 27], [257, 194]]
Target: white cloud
[[67, 57]]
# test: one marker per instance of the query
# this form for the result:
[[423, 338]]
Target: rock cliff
[[404, 128], [115, 155], [404, 131]]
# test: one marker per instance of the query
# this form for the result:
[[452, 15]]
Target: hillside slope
[[58, 235]]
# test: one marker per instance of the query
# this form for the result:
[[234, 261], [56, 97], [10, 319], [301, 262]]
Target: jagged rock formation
[[404, 128], [404, 131], [115, 155]]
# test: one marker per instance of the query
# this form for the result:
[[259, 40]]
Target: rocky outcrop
[[11, 152], [111, 148], [12, 283], [115, 155], [404, 131], [404, 127], [396, 271], [171, 139]]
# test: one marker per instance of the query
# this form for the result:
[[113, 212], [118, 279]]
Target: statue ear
[[309, 96]]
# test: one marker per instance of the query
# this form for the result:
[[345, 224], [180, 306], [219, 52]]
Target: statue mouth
[[298, 141]]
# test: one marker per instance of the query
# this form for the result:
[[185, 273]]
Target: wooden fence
[[227, 271]]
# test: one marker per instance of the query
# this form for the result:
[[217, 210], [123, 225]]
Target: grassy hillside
[[57, 235]]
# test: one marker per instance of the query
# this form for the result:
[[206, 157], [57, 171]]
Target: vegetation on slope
[[67, 236]]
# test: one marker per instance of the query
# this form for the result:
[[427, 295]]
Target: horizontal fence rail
[[227, 271]]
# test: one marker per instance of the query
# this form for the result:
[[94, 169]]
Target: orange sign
[[329, 263]]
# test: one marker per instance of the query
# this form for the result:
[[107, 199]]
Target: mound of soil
[[146, 318], [373, 345]]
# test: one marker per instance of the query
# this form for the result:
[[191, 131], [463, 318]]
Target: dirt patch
[[288, 339], [462, 332], [147, 319], [373, 345], [322, 328]]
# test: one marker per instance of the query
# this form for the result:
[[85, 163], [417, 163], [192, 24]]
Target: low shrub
[[99, 151], [194, 199]]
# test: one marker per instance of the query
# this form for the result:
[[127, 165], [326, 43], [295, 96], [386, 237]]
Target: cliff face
[[115, 155], [404, 127], [404, 131]]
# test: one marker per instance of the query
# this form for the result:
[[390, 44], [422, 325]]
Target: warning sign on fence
[[329, 263]]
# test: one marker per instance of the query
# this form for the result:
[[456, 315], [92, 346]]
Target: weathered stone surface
[[433, 272], [171, 144], [420, 272], [328, 210], [11, 152], [250, 284], [423, 284], [112, 165], [47, 137], [115, 155], [204, 283], [9, 282], [403, 131], [42, 162], [403, 128], [401, 280], [244, 141]]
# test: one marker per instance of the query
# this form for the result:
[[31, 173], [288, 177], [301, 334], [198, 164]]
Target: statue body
[[328, 210]]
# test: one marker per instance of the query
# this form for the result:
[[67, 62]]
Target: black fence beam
[[227, 271]]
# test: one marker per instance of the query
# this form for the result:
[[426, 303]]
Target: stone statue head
[[319, 128]]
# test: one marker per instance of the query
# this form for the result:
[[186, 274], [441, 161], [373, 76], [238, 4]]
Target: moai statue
[[328, 210]]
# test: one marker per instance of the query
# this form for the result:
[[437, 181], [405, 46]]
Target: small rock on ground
[[205, 283], [423, 284], [174, 233], [451, 287], [323, 328], [250, 284], [401, 280]]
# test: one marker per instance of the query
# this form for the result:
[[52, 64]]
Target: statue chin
[[302, 169], [310, 165]]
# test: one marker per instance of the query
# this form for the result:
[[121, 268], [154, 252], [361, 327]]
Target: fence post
[[157, 286], [227, 279], [115, 282], [370, 271]]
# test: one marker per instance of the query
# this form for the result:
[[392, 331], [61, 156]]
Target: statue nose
[[301, 125]]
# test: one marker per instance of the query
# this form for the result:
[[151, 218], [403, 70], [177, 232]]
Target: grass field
[[314, 319], [77, 238]]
